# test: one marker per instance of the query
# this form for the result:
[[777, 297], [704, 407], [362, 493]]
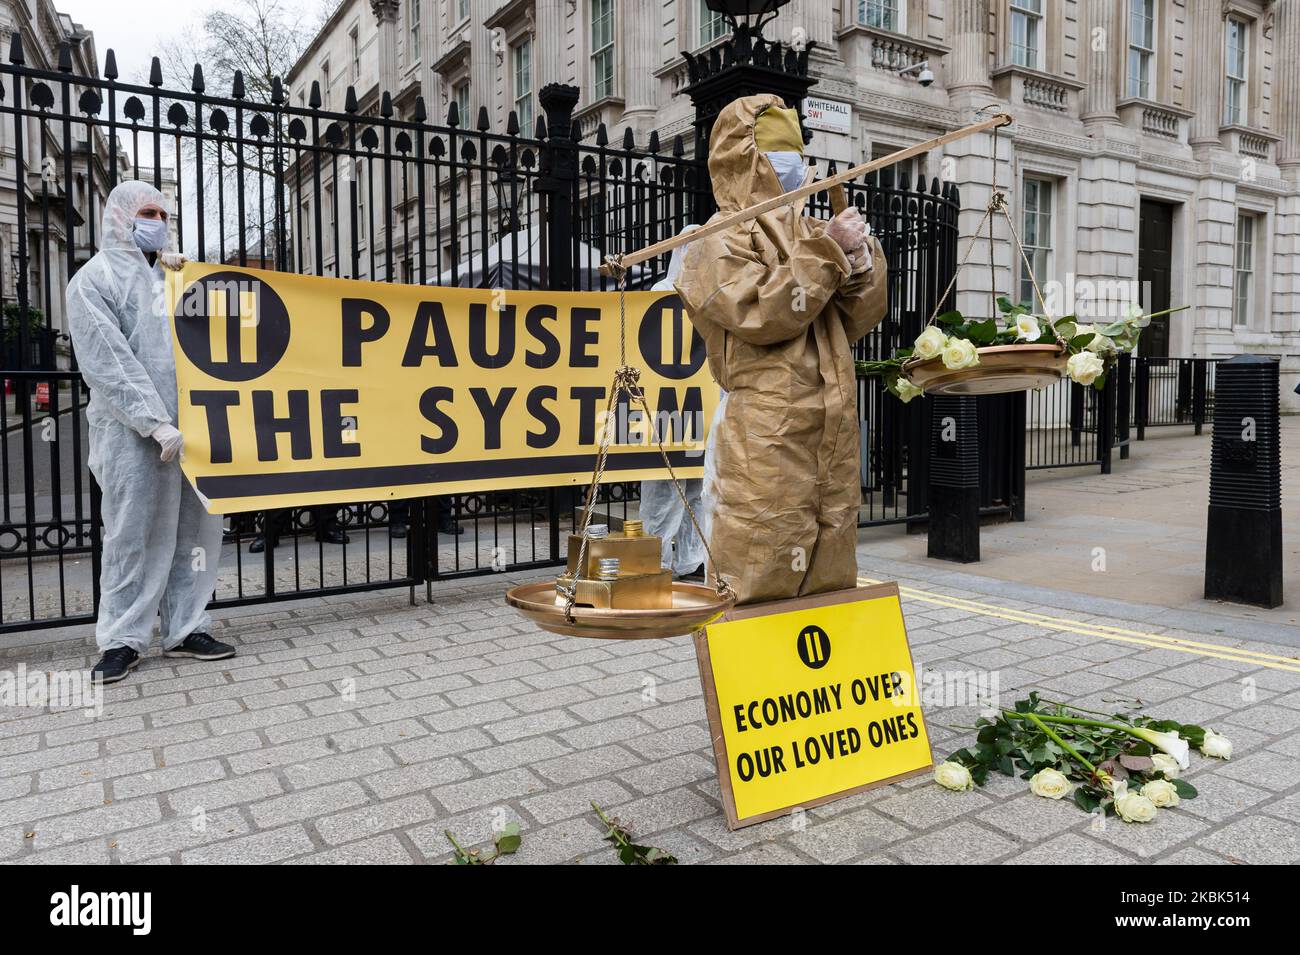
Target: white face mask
[[150, 234], [789, 167]]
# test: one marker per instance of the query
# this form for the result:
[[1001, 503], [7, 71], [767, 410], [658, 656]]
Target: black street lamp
[[508, 185], [756, 13], [746, 64]]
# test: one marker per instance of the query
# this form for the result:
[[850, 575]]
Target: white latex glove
[[172, 260], [169, 439], [860, 259], [848, 229]]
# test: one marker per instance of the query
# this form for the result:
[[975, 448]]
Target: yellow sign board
[[811, 699], [298, 390]]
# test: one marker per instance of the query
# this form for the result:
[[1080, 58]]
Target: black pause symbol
[[814, 647]]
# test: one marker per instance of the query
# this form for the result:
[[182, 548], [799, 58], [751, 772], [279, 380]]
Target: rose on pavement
[[1050, 784], [953, 776]]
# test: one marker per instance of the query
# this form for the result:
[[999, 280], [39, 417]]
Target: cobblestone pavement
[[357, 729], [1150, 514]]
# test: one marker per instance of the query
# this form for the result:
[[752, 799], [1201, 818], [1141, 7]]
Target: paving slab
[[480, 719]]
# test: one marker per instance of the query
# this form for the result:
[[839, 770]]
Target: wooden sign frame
[[723, 760]]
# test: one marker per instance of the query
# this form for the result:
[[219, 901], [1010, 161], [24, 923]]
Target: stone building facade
[[43, 28], [1155, 151]]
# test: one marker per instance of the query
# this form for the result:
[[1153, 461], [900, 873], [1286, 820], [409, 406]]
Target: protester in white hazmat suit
[[662, 511], [161, 548]]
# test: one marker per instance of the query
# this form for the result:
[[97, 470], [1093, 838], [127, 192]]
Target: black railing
[[366, 193], [917, 228], [1070, 425]]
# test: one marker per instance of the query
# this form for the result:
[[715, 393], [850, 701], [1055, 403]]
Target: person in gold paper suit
[[778, 301]]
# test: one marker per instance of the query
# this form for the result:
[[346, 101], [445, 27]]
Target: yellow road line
[[1217, 651], [975, 605]]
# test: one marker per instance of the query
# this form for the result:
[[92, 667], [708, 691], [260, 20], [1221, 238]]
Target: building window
[[1243, 285], [462, 10], [325, 83], [1141, 46], [413, 30], [1027, 33], [461, 92], [327, 200], [914, 169], [361, 203], [523, 57], [712, 24], [602, 47], [881, 14], [354, 45], [306, 248], [1234, 84], [1036, 236]]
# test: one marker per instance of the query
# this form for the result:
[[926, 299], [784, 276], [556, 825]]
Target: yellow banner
[[298, 390], [811, 699]]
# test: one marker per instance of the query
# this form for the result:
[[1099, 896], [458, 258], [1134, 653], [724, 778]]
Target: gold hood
[[741, 174]]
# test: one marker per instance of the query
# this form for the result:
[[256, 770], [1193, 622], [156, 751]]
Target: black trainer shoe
[[115, 664], [201, 646], [333, 535]]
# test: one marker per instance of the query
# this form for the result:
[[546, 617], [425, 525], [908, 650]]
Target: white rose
[[1133, 316], [1050, 784], [906, 391], [960, 353], [1100, 344], [929, 343], [1162, 793], [1217, 746], [1166, 764], [1084, 367], [1133, 807], [1027, 329], [953, 776]]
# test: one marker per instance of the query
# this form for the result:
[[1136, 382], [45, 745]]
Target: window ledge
[[1248, 141], [1029, 72], [607, 110], [1035, 88], [1152, 118], [508, 14], [879, 35], [458, 54]]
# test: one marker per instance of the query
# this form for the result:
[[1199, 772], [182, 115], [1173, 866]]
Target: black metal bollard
[[1243, 545], [954, 496]]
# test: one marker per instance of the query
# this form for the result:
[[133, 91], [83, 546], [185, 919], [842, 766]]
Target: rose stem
[[1034, 717]]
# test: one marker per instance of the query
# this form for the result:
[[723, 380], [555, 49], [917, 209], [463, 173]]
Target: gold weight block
[[637, 554], [625, 592]]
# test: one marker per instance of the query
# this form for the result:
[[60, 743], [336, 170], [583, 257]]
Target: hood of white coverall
[[117, 226], [778, 310], [120, 332]]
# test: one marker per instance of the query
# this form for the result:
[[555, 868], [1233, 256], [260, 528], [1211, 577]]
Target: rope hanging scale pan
[[1001, 368], [614, 587]]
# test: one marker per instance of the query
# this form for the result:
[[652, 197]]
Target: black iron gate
[[375, 192]]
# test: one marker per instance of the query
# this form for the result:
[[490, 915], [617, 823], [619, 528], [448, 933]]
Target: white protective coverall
[[662, 511], [161, 548]]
